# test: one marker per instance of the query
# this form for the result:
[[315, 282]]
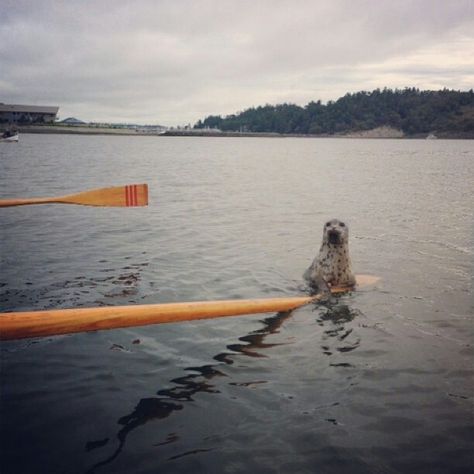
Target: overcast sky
[[174, 62]]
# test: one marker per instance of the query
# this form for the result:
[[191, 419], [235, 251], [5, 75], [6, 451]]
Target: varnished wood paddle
[[22, 325], [131, 195]]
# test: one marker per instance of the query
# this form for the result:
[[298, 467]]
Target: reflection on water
[[336, 337], [373, 381], [332, 319], [187, 386]]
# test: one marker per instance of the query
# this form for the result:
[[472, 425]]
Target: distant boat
[[431, 136], [10, 137]]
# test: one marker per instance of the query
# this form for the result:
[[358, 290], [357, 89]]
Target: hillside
[[446, 113]]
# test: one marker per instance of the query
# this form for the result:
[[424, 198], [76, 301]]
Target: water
[[379, 381]]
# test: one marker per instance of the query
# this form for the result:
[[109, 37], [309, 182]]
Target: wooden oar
[[131, 195], [22, 325]]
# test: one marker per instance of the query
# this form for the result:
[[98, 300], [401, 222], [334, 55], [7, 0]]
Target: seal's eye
[[328, 224], [342, 224]]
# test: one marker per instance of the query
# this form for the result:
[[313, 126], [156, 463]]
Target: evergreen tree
[[411, 110]]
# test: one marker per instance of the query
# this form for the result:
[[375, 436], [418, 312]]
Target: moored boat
[[10, 137]]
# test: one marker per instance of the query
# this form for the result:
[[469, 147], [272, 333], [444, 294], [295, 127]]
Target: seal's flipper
[[320, 285]]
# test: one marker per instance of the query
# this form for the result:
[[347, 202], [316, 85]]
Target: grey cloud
[[177, 61]]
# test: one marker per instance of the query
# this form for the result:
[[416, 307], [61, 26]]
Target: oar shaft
[[27, 201], [22, 325]]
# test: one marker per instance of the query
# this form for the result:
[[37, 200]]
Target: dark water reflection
[[376, 381], [186, 387]]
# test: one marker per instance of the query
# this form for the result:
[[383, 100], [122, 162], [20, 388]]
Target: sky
[[173, 62]]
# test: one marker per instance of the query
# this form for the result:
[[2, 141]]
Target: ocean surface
[[376, 381]]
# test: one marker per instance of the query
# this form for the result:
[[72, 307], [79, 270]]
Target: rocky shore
[[379, 132]]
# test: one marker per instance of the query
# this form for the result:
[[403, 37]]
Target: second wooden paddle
[[131, 195]]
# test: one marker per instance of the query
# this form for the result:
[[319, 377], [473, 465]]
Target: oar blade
[[131, 195], [366, 280]]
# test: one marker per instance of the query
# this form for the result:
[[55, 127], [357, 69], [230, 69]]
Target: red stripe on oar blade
[[127, 195], [135, 195], [131, 195]]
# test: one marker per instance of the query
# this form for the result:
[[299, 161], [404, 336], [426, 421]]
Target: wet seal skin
[[332, 266]]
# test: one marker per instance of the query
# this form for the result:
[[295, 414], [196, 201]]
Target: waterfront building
[[24, 114]]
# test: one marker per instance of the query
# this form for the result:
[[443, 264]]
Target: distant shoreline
[[378, 133]]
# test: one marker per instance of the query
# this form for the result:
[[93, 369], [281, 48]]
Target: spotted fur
[[332, 266]]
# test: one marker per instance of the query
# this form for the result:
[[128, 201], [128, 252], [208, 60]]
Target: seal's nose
[[334, 237]]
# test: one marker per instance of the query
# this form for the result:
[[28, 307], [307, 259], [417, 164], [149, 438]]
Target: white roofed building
[[12, 113]]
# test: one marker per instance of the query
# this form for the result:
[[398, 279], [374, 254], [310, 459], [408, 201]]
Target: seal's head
[[335, 233], [332, 266]]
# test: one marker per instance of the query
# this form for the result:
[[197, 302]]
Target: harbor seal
[[332, 266]]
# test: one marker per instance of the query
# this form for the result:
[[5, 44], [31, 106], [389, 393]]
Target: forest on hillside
[[415, 112]]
